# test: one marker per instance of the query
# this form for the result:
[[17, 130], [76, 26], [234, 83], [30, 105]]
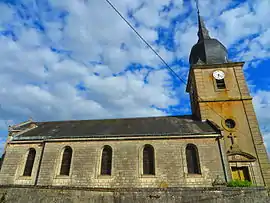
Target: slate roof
[[207, 50], [158, 126]]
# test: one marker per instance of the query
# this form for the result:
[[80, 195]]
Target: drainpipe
[[223, 161], [222, 158], [40, 161]]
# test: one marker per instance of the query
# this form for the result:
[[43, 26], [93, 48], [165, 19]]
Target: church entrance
[[242, 166], [240, 173]]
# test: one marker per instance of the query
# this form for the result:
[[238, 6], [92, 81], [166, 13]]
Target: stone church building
[[219, 142]]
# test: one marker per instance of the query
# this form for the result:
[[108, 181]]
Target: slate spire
[[203, 33], [207, 50]]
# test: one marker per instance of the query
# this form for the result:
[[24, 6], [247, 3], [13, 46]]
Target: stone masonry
[[234, 103], [170, 163], [150, 195]]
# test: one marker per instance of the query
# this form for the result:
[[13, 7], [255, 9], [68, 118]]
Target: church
[[218, 143]]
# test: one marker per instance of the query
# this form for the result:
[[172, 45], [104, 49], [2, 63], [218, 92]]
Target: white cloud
[[185, 37], [36, 81], [262, 107], [6, 13], [265, 39]]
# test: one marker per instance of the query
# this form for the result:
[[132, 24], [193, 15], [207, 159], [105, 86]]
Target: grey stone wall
[[170, 164], [169, 195]]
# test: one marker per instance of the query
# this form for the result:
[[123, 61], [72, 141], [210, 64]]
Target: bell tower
[[218, 92]]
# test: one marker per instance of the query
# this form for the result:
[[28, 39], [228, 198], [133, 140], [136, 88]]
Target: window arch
[[29, 162], [106, 161], [148, 160], [193, 163], [66, 161]]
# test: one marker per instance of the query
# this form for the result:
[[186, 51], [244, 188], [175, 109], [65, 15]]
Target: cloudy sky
[[77, 59]]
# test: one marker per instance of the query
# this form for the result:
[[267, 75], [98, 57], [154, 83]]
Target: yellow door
[[240, 173], [235, 174]]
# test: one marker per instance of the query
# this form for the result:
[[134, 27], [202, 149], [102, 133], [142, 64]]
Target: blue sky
[[76, 59]]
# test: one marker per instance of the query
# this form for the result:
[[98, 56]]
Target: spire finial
[[197, 6], [203, 33]]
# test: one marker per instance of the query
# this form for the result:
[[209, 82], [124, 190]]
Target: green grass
[[239, 183]]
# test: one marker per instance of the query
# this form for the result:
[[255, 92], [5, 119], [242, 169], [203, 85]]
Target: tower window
[[29, 162], [2, 160], [148, 160], [66, 161], [220, 84], [192, 159], [106, 161]]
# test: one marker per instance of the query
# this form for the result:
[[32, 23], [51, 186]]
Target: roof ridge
[[107, 119]]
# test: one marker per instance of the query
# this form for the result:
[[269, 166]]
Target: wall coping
[[171, 189]]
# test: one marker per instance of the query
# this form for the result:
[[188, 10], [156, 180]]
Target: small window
[[192, 159], [106, 161], [66, 161], [220, 84], [29, 162], [2, 160], [148, 160]]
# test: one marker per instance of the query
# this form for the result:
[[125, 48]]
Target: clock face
[[219, 75]]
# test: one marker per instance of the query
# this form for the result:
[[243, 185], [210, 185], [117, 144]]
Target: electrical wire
[[155, 52], [138, 34], [164, 62], [182, 80]]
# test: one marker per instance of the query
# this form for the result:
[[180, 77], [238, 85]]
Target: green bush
[[239, 183]]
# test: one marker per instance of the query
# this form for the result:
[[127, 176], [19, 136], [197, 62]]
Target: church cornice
[[119, 137], [201, 99], [214, 66], [240, 156]]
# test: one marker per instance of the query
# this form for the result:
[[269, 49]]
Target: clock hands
[[218, 75]]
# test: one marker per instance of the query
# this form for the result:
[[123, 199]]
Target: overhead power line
[[138, 34], [157, 54]]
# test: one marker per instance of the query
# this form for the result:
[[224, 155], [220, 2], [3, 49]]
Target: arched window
[[29, 162], [148, 160], [192, 155], [66, 161], [2, 160], [106, 161]]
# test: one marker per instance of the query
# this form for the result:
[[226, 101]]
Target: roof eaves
[[114, 136], [215, 126], [23, 131]]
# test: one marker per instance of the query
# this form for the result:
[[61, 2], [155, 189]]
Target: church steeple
[[203, 33], [207, 50]]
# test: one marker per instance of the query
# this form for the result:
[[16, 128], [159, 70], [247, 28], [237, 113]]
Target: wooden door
[[240, 173]]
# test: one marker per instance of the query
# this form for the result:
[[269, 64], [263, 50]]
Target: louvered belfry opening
[[29, 162], [148, 160], [221, 84], [66, 161], [192, 156], [106, 161]]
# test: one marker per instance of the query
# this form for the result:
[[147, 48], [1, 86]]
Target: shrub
[[239, 183]]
